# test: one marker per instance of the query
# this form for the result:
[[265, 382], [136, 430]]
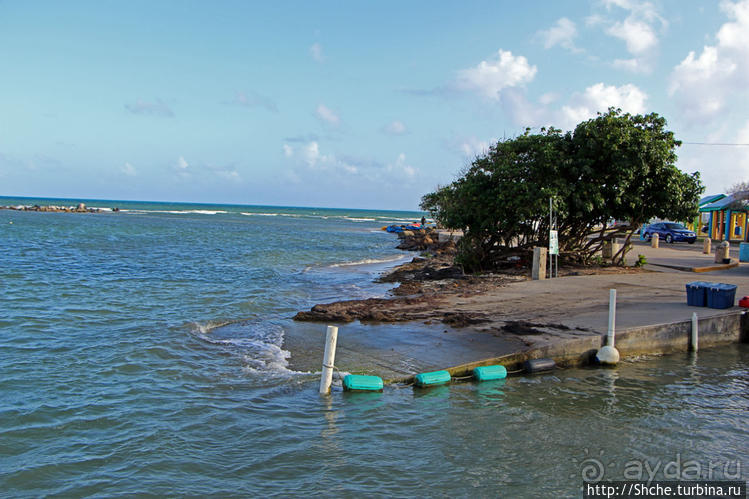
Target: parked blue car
[[670, 232]]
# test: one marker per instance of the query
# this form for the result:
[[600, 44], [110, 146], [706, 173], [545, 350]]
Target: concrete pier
[[565, 319]]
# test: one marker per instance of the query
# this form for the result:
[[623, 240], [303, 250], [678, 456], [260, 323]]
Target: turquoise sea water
[[115, 381]]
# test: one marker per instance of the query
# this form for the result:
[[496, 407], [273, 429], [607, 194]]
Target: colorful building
[[701, 222], [725, 218]]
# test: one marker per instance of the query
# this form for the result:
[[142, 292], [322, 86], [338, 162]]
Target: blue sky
[[346, 104]]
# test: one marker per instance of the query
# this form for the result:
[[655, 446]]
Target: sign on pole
[[553, 243]]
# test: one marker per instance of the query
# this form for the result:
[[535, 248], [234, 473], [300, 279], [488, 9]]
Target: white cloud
[[550, 110], [638, 30], [525, 112], [735, 35], [395, 128], [562, 33], [288, 151], [312, 156], [548, 98], [128, 169], [472, 147], [639, 9], [327, 115], [598, 98], [639, 36], [401, 168], [503, 71], [705, 84], [310, 163], [182, 163], [720, 167], [742, 136], [634, 65], [316, 52]]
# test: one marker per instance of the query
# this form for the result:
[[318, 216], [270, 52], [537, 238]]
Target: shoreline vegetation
[[432, 284], [537, 190]]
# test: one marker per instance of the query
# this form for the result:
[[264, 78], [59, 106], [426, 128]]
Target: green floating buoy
[[486, 373], [431, 379], [361, 383]]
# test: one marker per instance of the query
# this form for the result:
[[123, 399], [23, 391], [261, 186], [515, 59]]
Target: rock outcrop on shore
[[426, 240], [425, 284], [80, 208], [434, 289]]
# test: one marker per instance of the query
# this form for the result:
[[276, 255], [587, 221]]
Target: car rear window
[[674, 226]]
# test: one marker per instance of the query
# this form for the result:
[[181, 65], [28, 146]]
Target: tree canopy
[[616, 166]]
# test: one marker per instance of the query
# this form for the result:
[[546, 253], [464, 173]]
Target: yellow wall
[[719, 225], [738, 226]]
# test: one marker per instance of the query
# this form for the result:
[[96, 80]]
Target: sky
[[346, 104]]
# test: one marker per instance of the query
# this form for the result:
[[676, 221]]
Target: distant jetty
[[80, 208]]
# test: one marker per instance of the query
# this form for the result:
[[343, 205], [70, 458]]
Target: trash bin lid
[[699, 284], [721, 286]]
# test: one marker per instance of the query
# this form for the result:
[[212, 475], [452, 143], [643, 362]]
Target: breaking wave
[[177, 212], [369, 261], [258, 344]]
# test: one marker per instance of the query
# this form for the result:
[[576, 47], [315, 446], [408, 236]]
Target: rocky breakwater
[[80, 208]]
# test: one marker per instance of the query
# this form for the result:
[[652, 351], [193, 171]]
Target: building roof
[[736, 201], [710, 199]]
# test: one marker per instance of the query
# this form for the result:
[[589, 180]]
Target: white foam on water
[[260, 349], [369, 261], [203, 329], [198, 212], [178, 212], [353, 219], [289, 215]]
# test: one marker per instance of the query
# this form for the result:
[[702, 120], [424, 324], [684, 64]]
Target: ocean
[[145, 352]]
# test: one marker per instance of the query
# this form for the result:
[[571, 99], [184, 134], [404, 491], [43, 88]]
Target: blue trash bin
[[697, 293], [721, 295], [744, 252]]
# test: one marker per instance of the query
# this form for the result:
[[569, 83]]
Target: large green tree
[[616, 166]]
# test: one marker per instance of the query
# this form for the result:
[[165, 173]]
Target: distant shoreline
[[79, 208]]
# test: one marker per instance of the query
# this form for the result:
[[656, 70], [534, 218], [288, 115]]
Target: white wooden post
[[331, 339], [539, 263], [612, 318], [608, 354]]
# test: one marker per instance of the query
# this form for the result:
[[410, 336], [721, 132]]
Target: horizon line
[[82, 199]]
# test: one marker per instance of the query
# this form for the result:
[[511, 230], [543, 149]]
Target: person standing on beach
[[423, 221]]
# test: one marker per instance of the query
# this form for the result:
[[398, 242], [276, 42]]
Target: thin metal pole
[[551, 261]]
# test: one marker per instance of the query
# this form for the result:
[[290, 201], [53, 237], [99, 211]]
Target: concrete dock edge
[[656, 339]]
